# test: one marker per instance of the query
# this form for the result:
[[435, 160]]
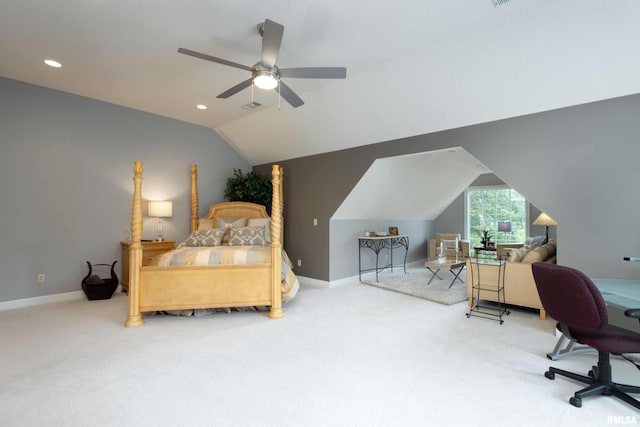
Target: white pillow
[[205, 224], [514, 256], [228, 223], [262, 222]]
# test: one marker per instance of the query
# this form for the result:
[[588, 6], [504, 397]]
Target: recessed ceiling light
[[201, 107], [52, 63]]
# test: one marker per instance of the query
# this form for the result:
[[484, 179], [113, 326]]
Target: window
[[486, 206]]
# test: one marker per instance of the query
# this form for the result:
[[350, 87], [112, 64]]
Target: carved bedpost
[[135, 250], [281, 206], [276, 244], [194, 197]]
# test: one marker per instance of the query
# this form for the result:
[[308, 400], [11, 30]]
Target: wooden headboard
[[242, 209], [237, 210]]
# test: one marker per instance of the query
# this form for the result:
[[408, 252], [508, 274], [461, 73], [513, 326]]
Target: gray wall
[[344, 247], [577, 164], [66, 182]]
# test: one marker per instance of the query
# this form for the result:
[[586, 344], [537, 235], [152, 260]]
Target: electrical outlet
[[41, 278], [315, 221], [299, 263]]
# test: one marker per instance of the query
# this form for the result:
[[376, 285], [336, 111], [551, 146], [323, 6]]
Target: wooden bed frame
[[154, 288]]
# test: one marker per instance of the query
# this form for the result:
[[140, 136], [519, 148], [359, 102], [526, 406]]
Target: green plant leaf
[[251, 187]]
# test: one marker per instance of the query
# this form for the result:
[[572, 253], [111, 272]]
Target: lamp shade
[[544, 219], [161, 209], [504, 226]]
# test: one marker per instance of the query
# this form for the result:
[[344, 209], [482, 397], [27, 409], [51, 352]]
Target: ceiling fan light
[[265, 80]]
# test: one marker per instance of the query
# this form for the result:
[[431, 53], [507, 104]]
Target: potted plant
[[251, 187], [486, 237]]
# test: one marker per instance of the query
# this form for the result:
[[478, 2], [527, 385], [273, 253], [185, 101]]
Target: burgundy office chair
[[572, 299]]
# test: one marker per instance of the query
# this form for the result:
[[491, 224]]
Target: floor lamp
[[504, 226], [544, 219]]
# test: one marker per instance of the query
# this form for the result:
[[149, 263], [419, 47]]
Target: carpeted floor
[[414, 283], [348, 355]]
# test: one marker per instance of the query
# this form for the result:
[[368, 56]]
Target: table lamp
[[544, 219], [160, 209]]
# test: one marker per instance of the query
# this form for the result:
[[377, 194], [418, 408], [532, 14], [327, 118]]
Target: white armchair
[[448, 242]]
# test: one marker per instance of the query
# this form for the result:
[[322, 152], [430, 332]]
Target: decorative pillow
[[262, 222], [228, 223], [516, 255], [205, 224], [212, 237], [247, 236], [537, 254], [531, 241]]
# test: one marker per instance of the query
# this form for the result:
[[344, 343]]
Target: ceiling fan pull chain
[[279, 97], [252, 93]]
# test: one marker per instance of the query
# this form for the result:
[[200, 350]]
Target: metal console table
[[377, 244], [493, 285]]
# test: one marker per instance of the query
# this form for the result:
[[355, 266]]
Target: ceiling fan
[[264, 73]]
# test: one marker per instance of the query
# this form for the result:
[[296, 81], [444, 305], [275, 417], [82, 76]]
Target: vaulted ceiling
[[413, 66], [411, 187]]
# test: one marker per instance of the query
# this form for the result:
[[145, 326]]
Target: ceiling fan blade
[[214, 59], [237, 88], [271, 41], [290, 96], [314, 73]]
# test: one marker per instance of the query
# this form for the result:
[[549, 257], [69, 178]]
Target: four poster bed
[[250, 268]]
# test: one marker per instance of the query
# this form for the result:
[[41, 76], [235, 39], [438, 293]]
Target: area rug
[[414, 283]]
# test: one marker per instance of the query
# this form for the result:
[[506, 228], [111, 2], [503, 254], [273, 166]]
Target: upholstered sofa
[[448, 240], [519, 285]]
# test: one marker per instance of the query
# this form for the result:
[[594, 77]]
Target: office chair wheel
[[576, 401], [593, 373], [550, 375]]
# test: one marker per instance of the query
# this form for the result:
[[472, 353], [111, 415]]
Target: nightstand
[[150, 249]]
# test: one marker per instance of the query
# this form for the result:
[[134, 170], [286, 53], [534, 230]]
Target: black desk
[[377, 244]]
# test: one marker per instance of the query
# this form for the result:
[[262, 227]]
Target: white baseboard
[[324, 284], [308, 281], [30, 302], [68, 296]]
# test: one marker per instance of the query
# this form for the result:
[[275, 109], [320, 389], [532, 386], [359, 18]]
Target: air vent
[[251, 106], [497, 3]]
